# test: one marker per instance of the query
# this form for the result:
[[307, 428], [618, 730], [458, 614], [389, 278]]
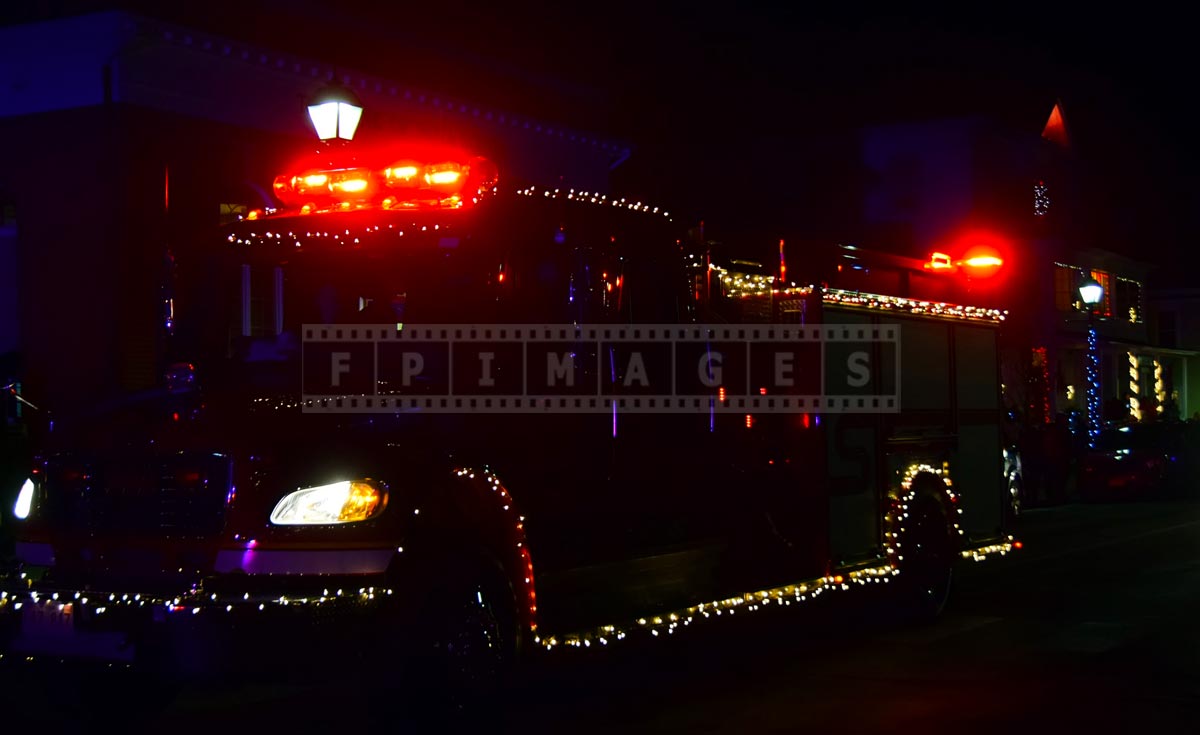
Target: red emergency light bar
[[406, 183], [940, 262]]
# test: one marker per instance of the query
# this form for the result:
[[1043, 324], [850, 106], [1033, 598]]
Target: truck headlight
[[24, 504], [340, 502]]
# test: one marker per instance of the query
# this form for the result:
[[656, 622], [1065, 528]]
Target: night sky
[[723, 104]]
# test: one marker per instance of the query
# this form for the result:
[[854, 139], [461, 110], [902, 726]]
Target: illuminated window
[[1106, 303], [1122, 296], [231, 212]]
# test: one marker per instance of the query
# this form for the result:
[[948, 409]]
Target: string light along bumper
[[106, 613], [339, 502], [880, 571], [666, 624]]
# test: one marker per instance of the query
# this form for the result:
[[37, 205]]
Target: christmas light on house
[[1093, 388], [1092, 293], [1041, 199], [1160, 391], [1042, 395], [1135, 406]]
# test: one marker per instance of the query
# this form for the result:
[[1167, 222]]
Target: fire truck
[[268, 501]]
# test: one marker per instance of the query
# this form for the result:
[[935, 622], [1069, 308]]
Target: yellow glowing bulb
[[442, 177], [361, 503], [402, 172], [353, 185]]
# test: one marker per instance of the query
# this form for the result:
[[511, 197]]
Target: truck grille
[[178, 495]]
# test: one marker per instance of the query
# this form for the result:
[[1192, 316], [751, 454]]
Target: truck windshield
[[522, 262]]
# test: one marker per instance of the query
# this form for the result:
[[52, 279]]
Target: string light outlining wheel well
[[926, 548]]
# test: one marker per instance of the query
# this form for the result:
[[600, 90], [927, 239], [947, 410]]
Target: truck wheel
[[927, 569], [1015, 493], [470, 634]]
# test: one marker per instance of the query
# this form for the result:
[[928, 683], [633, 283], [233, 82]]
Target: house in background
[[954, 184], [1175, 324]]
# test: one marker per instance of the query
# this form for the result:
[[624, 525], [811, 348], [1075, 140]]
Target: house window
[[261, 301], [231, 212], [1066, 287], [1128, 303]]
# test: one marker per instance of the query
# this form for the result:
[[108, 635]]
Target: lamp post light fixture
[[1092, 293], [335, 112]]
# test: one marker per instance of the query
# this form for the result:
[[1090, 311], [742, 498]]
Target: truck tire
[[927, 568], [1016, 493], [469, 633]]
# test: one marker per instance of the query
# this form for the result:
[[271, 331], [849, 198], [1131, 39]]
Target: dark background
[[745, 116]]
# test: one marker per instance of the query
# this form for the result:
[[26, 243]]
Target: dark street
[[1090, 627]]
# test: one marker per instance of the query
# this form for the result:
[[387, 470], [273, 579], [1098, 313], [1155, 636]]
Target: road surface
[[1093, 626]]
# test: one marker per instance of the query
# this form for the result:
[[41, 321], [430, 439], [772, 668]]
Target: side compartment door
[[977, 467], [853, 367]]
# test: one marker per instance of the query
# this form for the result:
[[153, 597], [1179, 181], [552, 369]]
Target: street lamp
[[335, 112], [1092, 293]]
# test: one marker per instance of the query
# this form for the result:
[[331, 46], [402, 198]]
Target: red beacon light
[[939, 262], [354, 181], [403, 174], [983, 261], [303, 188], [406, 183], [978, 263], [448, 175]]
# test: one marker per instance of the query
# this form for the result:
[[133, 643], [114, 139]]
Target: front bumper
[[246, 624]]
